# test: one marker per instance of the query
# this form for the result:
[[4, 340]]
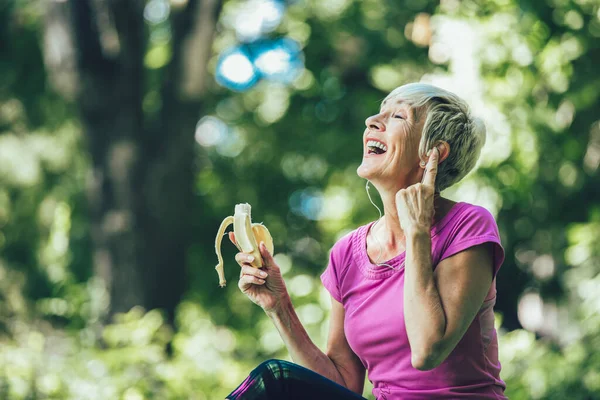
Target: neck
[[388, 229]]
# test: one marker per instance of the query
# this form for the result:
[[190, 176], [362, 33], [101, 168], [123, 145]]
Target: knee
[[273, 367]]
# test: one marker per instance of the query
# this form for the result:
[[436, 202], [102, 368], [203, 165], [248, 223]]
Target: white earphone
[[380, 246]]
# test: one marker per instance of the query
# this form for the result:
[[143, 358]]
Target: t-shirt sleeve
[[329, 277], [473, 227], [333, 273]]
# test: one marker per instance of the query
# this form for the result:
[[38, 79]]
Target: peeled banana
[[247, 236]]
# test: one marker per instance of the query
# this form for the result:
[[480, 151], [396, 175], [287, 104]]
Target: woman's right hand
[[265, 287]]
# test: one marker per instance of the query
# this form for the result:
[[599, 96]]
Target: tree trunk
[[140, 186]]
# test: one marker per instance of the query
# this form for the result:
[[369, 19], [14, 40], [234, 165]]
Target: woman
[[422, 322]]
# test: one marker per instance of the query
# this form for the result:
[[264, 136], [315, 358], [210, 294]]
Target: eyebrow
[[411, 111], [399, 101]]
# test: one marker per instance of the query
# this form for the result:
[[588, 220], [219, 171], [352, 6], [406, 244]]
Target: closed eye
[[398, 116]]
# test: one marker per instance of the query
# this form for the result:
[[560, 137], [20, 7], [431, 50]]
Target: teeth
[[375, 143]]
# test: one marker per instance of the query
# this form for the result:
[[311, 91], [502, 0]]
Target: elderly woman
[[421, 323]]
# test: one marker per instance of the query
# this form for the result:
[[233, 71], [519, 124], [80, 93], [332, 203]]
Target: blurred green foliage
[[529, 68]]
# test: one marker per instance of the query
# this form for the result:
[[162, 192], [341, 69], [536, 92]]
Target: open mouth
[[375, 147]]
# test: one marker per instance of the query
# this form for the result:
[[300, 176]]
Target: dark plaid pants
[[278, 379]]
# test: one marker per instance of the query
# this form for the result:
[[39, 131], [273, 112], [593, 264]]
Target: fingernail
[[263, 274], [250, 258]]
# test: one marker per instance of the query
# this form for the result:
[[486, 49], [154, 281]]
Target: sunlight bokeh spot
[[50, 384], [160, 34], [307, 203], [331, 8], [324, 298], [301, 285], [565, 114], [567, 174], [225, 340], [232, 144], [299, 31], [275, 103], [230, 109], [573, 20], [310, 313], [257, 17], [531, 311], [280, 60], [284, 261], [156, 11], [97, 368], [308, 248], [543, 267], [133, 394], [271, 342], [439, 53], [273, 61], [522, 55], [421, 30], [235, 70], [17, 165], [304, 81], [385, 77], [591, 160], [157, 57], [337, 204], [210, 131]]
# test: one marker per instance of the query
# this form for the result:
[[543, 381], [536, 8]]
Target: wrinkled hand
[[415, 203], [265, 287]]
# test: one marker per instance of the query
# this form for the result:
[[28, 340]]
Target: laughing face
[[391, 146]]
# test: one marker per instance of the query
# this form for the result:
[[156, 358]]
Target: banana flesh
[[248, 236]]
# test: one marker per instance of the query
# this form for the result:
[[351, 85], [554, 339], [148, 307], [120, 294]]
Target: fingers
[[432, 167], [244, 261], [255, 272], [244, 258], [247, 280], [251, 276], [267, 257]]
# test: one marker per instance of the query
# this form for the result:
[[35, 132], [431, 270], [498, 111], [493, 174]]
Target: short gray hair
[[447, 118]]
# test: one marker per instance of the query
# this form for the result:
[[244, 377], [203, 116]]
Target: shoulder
[[471, 220], [470, 225], [340, 257], [342, 251], [342, 248], [344, 241]]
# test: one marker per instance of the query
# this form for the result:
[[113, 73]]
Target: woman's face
[[394, 128]]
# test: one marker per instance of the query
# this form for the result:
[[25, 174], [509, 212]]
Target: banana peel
[[248, 236]]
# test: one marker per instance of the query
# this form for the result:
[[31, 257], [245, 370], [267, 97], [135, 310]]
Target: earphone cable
[[378, 242]]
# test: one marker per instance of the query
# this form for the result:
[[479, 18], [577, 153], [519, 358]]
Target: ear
[[444, 149]]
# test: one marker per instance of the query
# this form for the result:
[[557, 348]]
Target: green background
[[110, 198]]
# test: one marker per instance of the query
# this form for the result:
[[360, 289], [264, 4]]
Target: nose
[[374, 124]]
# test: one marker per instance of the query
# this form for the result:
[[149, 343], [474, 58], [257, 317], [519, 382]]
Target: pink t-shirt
[[373, 300]]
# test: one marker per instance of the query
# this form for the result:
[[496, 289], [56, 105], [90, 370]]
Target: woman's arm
[[440, 305], [338, 364], [339, 351]]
